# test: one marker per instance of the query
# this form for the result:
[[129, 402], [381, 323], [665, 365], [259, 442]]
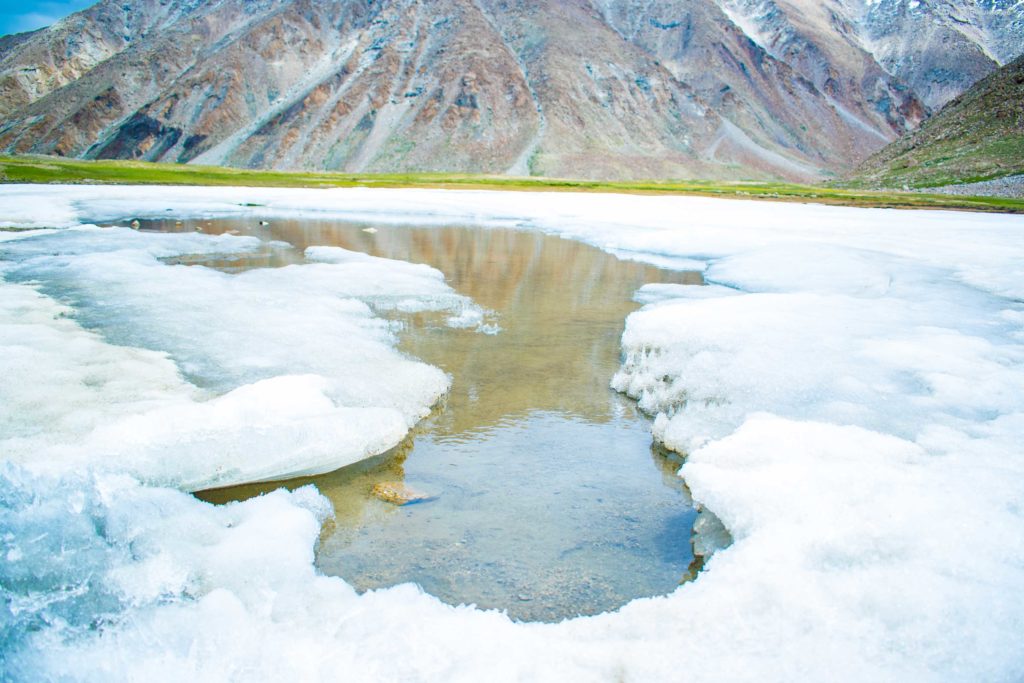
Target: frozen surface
[[193, 377], [898, 350], [851, 395], [657, 293], [405, 287]]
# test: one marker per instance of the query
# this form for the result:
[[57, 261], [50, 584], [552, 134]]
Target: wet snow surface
[[850, 391]]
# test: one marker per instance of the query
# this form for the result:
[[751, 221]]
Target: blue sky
[[26, 15]]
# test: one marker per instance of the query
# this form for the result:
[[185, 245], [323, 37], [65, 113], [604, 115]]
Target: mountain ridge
[[605, 89]]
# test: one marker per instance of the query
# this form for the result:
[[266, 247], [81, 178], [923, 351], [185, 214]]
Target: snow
[[849, 389], [663, 292], [275, 372], [388, 284], [896, 348]]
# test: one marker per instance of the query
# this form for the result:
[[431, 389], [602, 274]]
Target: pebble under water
[[542, 492]]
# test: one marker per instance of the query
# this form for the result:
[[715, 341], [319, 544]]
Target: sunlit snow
[[849, 390]]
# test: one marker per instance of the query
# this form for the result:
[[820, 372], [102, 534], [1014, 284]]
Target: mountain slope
[[936, 47], [978, 135], [602, 88], [940, 47]]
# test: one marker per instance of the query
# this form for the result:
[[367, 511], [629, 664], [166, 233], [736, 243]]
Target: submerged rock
[[708, 537], [397, 493]]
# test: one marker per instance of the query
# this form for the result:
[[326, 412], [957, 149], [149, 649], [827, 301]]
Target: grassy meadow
[[39, 169]]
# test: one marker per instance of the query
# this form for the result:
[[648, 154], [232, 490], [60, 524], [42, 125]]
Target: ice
[[467, 318], [867, 585], [279, 368], [660, 292], [848, 389], [661, 260], [86, 382], [95, 550], [683, 229], [810, 268], [387, 284]]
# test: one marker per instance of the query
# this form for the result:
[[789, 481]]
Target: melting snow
[[849, 390], [266, 374]]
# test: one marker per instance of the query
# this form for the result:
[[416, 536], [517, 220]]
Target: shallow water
[[546, 498]]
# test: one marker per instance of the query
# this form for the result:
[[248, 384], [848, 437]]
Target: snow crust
[[895, 348], [192, 377], [849, 390], [408, 287]]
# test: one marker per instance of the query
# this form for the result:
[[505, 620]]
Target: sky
[[27, 15]]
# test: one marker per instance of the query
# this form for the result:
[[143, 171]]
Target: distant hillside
[[717, 89], [977, 136]]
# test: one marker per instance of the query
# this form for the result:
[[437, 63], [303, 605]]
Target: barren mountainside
[[602, 88], [977, 136]]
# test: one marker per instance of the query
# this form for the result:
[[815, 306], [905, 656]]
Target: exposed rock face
[[941, 47], [601, 88]]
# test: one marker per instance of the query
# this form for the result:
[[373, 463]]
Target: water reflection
[[550, 500]]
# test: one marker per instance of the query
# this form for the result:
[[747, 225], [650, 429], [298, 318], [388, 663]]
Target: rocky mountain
[[595, 88], [977, 136]]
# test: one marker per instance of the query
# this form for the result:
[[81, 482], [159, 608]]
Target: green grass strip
[[39, 169]]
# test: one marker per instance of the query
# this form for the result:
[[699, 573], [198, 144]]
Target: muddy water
[[546, 498]]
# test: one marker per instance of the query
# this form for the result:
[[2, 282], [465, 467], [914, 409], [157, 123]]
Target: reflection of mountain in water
[[561, 304]]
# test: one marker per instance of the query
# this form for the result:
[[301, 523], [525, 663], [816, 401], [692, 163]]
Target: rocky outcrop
[[940, 47], [602, 88]]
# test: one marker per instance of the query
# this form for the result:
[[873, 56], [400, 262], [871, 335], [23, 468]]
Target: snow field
[[850, 392], [262, 375]]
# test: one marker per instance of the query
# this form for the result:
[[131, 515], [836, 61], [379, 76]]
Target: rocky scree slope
[[604, 88]]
